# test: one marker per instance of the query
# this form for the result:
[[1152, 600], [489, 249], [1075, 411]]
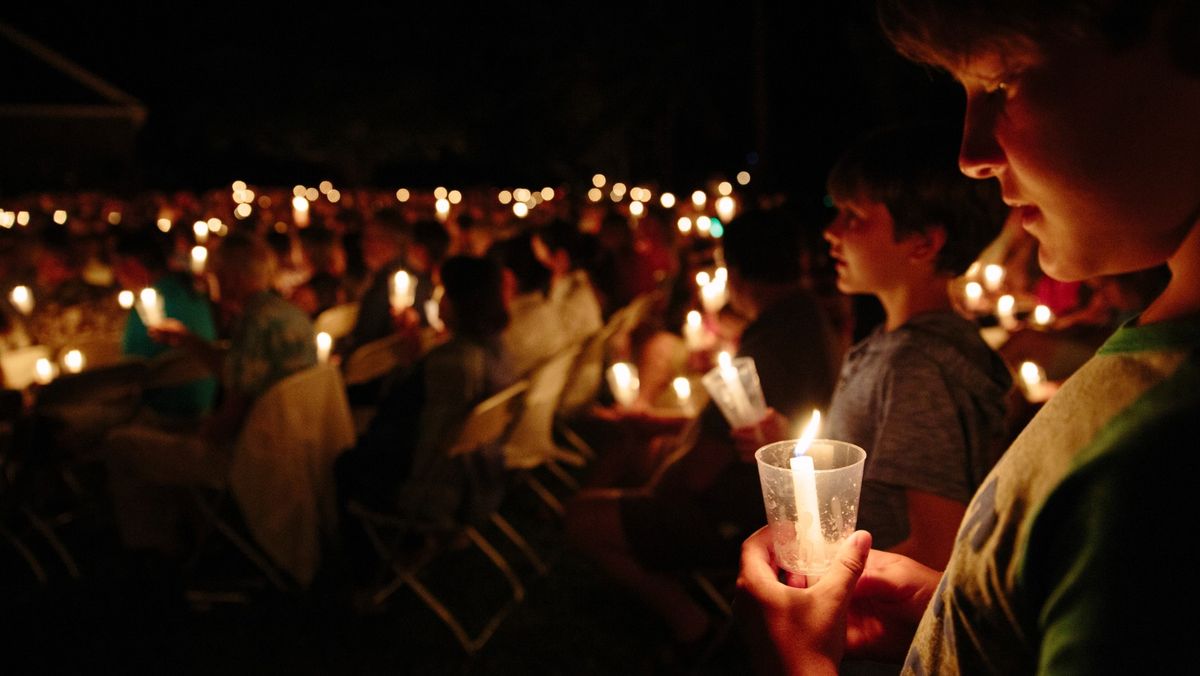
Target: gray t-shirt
[[926, 402]]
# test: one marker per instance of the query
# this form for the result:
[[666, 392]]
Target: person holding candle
[[270, 339], [400, 463], [1071, 557], [923, 394], [535, 330], [140, 261], [692, 511]]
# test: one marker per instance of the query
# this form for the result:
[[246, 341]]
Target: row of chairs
[[528, 423]]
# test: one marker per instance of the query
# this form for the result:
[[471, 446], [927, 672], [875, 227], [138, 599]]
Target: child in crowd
[[1071, 555], [923, 394]]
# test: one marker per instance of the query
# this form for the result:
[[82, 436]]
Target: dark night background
[[456, 93]]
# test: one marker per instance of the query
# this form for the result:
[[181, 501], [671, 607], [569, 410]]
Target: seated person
[[558, 246], [139, 261], [692, 513], [400, 462], [535, 332], [383, 238], [326, 259], [922, 394], [270, 340]]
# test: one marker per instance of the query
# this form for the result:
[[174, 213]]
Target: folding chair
[[531, 443], [338, 321], [483, 431], [281, 478]]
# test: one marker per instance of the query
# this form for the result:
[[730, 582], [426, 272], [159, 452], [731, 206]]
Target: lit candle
[[1037, 389], [73, 361], [150, 307], [636, 209], [703, 278], [712, 297], [199, 256], [324, 346], [693, 331], [623, 379], [726, 208], [683, 392], [993, 277], [667, 200], [442, 209], [1042, 316], [804, 488], [200, 229], [699, 198], [703, 225], [404, 291], [739, 401], [43, 371], [125, 299], [1006, 311], [22, 299], [300, 211], [685, 225], [974, 296], [433, 310]]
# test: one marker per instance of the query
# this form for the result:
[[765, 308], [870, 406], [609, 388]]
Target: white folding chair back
[[375, 360], [337, 321], [282, 470], [531, 442]]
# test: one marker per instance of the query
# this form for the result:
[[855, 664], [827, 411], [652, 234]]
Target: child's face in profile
[[1089, 146], [862, 241]]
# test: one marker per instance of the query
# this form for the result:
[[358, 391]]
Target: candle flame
[[683, 388], [149, 296], [125, 299], [1042, 315], [974, 291], [694, 319], [73, 361], [622, 374], [324, 341], [1031, 373], [724, 360], [808, 435], [1006, 304], [703, 278]]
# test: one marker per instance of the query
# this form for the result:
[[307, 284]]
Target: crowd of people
[[1042, 545]]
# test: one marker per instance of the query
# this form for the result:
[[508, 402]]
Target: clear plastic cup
[[837, 479], [739, 408]]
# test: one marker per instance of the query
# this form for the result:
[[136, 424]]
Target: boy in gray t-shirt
[[923, 394]]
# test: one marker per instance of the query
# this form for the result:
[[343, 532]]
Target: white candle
[[623, 379], [693, 331], [1033, 377], [1005, 310], [809, 538], [442, 209], [125, 299], [300, 211], [1042, 316], [404, 291], [73, 361], [199, 256], [683, 392], [22, 299], [739, 400], [150, 307], [43, 371], [200, 230], [993, 277], [699, 198], [684, 224], [973, 292], [324, 346], [712, 294], [726, 208]]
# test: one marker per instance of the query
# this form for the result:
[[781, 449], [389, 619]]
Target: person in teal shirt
[[139, 261]]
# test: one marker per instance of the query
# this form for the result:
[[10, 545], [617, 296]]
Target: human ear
[[926, 245]]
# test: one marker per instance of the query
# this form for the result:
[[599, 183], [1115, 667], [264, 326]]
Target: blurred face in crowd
[[862, 241], [379, 247], [1090, 149]]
